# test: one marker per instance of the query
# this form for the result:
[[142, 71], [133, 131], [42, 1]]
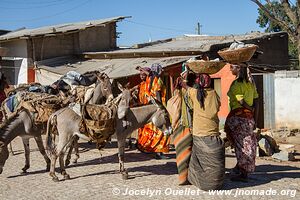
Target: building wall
[[48, 47], [287, 95], [91, 39], [268, 100], [22, 75], [274, 48], [226, 79], [45, 77], [13, 69], [98, 39], [17, 48]]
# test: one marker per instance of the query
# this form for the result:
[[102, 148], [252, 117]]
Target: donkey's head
[[104, 87], [3, 155], [161, 118], [123, 101]]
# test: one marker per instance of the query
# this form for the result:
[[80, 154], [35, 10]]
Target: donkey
[[102, 93], [20, 124], [128, 120], [136, 118]]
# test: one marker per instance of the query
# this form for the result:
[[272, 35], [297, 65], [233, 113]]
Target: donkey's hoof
[[67, 163], [24, 170], [55, 179], [47, 168], [66, 176], [125, 175], [25, 167], [74, 161]]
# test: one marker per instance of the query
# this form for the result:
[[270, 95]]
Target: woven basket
[[207, 67], [238, 55], [3, 51]]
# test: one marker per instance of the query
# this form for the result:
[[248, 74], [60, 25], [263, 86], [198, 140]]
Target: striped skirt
[[183, 140]]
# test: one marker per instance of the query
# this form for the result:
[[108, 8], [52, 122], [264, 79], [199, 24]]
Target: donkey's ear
[[120, 87], [156, 102], [153, 101], [104, 75], [127, 86]]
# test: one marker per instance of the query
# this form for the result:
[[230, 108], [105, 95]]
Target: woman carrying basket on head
[[206, 167], [241, 120]]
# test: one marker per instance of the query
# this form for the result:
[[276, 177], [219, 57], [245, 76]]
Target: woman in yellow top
[[207, 163], [240, 121]]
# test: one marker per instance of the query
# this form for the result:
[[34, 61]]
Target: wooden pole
[[171, 84]]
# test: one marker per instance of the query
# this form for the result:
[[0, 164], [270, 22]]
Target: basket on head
[[3, 51], [207, 67], [238, 55]]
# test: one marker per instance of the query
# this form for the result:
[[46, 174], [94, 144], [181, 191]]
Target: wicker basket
[[3, 51], [207, 67], [238, 55]]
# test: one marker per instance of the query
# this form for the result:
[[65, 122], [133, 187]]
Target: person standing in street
[[241, 121]]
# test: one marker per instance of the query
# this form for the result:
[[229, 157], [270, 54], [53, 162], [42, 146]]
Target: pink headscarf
[[203, 80]]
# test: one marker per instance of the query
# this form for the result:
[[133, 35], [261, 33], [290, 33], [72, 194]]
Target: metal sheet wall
[[269, 100]]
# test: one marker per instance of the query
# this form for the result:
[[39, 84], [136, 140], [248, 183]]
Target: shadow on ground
[[264, 174]]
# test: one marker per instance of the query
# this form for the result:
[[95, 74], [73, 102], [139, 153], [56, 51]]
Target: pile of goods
[[205, 66], [41, 105], [98, 122], [238, 52]]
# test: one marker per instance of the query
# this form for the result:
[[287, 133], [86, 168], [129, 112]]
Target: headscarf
[[245, 73], [202, 81], [156, 69], [145, 70]]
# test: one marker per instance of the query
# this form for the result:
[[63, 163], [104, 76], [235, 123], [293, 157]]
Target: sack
[[98, 122], [174, 107]]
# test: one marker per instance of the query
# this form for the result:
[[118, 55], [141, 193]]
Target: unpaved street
[[96, 176]]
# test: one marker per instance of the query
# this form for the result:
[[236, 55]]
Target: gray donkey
[[128, 120], [102, 93], [20, 124]]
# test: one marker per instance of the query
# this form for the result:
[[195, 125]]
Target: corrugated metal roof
[[190, 43], [122, 67], [115, 68], [61, 28]]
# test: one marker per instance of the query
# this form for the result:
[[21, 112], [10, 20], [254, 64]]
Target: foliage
[[281, 15], [264, 22]]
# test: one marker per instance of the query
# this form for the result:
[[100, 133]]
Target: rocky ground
[[96, 176]]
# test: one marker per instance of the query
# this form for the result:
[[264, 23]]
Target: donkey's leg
[[68, 158], [121, 147], [11, 149], [39, 142], [76, 147], [27, 154], [65, 141], [62, 165], [52, 167]]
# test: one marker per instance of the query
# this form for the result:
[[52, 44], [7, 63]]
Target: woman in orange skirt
[[150, 138]]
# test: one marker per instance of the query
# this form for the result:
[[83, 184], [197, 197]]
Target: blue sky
[[151, 19]]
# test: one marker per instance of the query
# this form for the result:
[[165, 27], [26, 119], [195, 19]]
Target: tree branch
[[289, 12], [298, 8], [273, 9], [284, 25]]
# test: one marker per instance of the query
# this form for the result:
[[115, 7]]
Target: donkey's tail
[[50, 134]]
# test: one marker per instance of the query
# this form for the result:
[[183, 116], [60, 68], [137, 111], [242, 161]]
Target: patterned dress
[[150, 138], [240, 123]]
